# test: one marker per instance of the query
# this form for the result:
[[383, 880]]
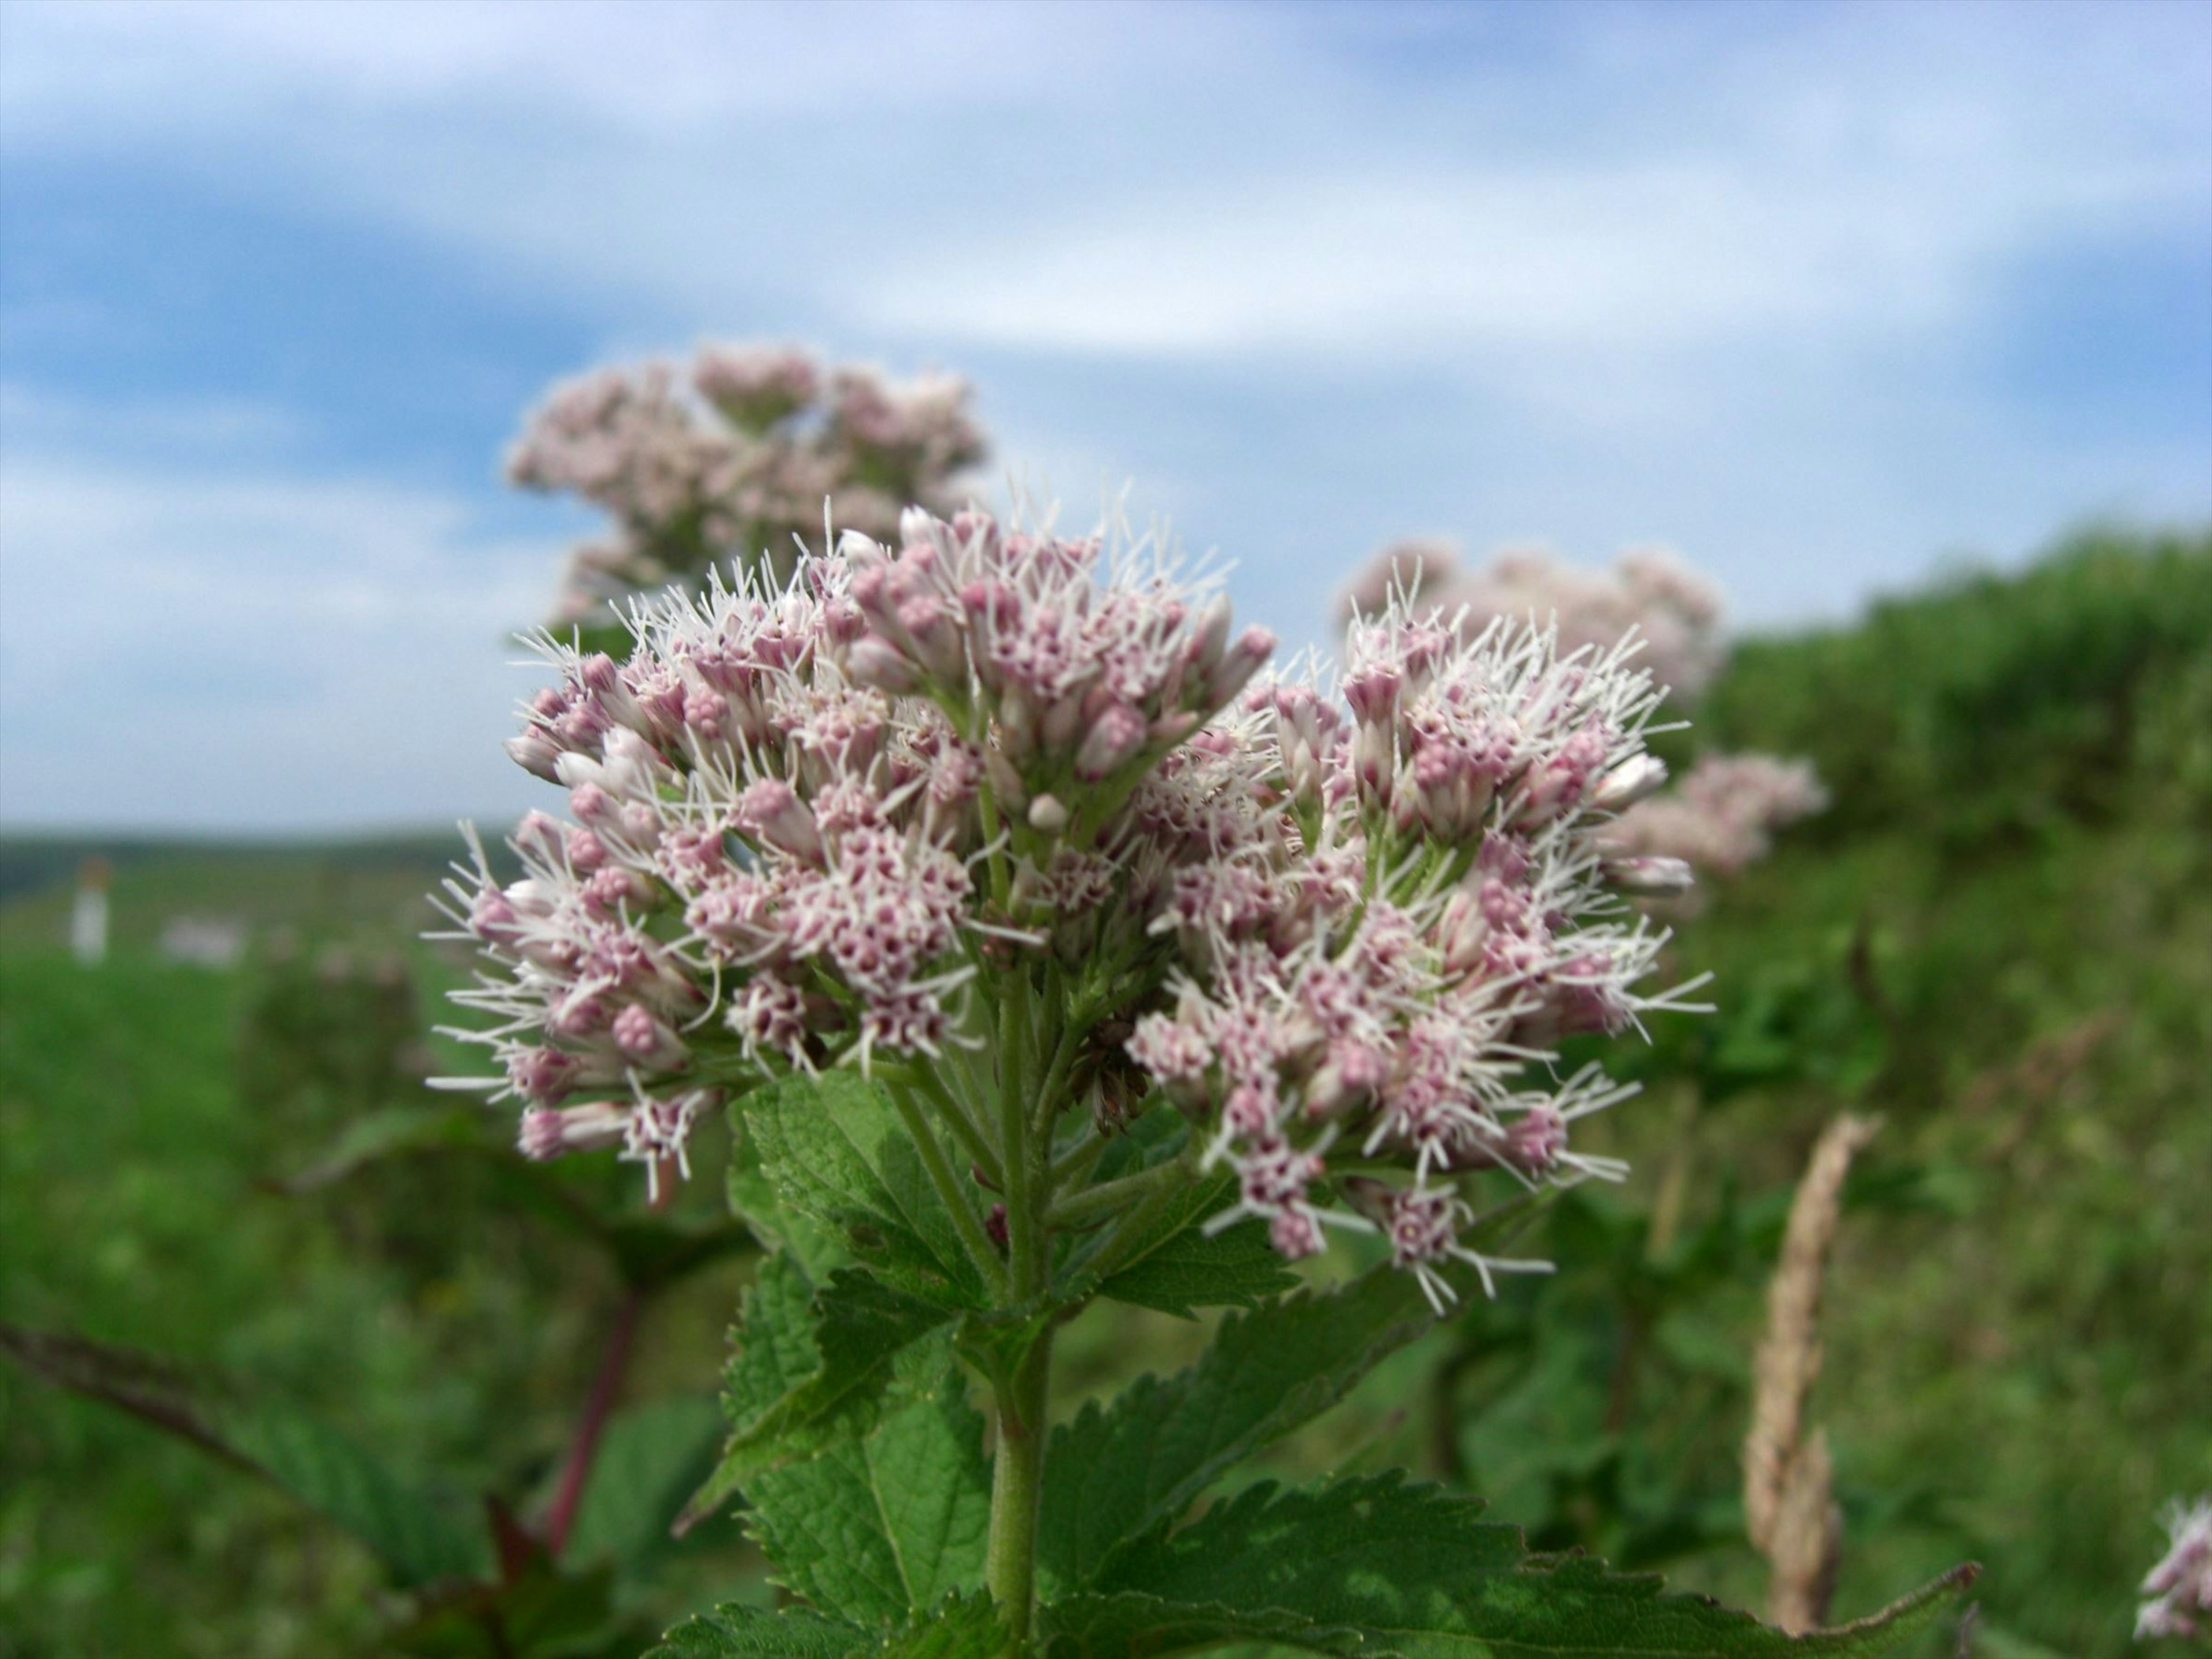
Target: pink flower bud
[[593, 806], [771, 812], [1110, 744], [548, 1131], [587, 852], [874, 660], [1244, 660], [645, 1040], [536, 752]]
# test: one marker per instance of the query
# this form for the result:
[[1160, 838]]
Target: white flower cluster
[[839, 820], [2179, 1589], [733, 459]]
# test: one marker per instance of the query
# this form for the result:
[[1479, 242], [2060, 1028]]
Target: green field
[[2000, 938]]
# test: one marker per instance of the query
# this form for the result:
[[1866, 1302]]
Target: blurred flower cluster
[[733, 458], [2179, 1588], [1674, 611], [870, 814], [1723, 816]]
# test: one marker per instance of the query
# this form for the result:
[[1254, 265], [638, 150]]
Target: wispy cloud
[[185, 649]]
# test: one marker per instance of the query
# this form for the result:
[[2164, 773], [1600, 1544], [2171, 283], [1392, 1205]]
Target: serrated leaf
[[419, 1542], [961, 1627], [835, 1149], [1112, 1473], [1178, 1267], [1376, 1567], [809, 1367], [752, 1197], [741, 1633], [648, 1460], [876, 1526]]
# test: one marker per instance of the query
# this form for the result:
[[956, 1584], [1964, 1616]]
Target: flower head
[[838, 819]]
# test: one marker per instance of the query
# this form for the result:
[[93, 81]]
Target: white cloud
[[183, 649], [1174, 180], [650, 67]]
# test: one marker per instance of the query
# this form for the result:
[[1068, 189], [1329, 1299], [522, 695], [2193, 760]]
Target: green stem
[[950, 1190], [1020, 1385], [1076, 1163], [962, 1124], [1108, 1196], [1017, 1486]]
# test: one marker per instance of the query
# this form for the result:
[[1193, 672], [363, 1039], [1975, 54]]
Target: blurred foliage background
[[1998, 939]]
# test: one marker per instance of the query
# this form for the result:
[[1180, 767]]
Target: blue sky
[[1821, 296]]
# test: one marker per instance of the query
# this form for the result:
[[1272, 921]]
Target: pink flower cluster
[[734, 458], [1723, 815], [1675, 610], [837, 819], [2179, 1588], [1380, 956]]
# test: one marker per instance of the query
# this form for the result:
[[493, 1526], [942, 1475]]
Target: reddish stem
[[562, 1515]]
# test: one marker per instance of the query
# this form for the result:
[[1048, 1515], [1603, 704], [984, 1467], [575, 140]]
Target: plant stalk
[[1018, 1487], [585, 1445], [1021, 1389]]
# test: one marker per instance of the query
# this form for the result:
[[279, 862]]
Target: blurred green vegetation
[[1999, 939]]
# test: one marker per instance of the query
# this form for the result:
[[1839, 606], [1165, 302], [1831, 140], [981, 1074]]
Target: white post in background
[[88, 921]]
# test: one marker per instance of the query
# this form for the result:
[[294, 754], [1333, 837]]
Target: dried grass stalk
[[1789, 1505]]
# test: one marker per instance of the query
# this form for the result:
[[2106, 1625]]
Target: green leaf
[[1179, 1268], [1112, 1473], [1173, 1265], [833, 1149], [540, 1613], [874, 1526], [753, 1197], [741, 1633], [393, 1133], [419, 1542], [650, 1255], [809, 1367], [961, 1627], [1375, 1566], [649, 1458]]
